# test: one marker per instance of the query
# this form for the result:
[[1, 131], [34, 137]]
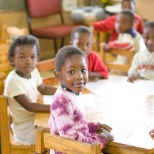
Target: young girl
[[82, 38], [22, 86], [66, 115]]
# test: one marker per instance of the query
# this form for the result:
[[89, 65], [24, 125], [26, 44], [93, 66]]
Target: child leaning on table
[[128, 37], [66, 115], [108, 24], [22, 87], [143, 62], [82, 38]]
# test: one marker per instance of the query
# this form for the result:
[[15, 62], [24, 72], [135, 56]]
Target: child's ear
[[38, 58], [11, 59], [57, 75]]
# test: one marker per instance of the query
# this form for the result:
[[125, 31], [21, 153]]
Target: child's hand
[[132, 78], [103, 127], [107, 136], [151, 133]]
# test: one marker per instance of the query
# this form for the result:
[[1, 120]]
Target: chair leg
[[55, 45], [62, 42]]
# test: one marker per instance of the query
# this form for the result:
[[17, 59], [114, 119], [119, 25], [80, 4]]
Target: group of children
[[74, 65]]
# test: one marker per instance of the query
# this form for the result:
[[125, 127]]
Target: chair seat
[[55, 31]]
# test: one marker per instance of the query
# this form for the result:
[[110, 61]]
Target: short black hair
[[64, 53], [134, 1], [128, 13], [23, 40], [81, 29], [149, 24]]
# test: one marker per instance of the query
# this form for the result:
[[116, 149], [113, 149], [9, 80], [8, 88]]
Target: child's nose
[[28, 60], [80, 75]]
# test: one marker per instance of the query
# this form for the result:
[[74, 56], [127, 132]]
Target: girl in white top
[[22, 87]]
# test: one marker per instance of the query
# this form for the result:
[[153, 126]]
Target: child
[[107, 25], [143, 61], [66, 115], [82, 38], [128, 37], [22, 86]]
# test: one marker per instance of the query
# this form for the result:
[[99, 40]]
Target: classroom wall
[[145, 9], [18, 18]]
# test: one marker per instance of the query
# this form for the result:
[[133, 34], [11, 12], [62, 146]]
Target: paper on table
[[124, 129], [88, 100]]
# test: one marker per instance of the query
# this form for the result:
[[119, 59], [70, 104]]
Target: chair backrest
[[46, 68], [45, 140], [5, 66], [7, 143], [114, 66], [41, 8]]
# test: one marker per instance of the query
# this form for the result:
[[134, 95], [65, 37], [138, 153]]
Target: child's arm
[[46, 89], [96, 67], [132, 73], [94, 76], [117, 45], [105, 25], [25, 102]]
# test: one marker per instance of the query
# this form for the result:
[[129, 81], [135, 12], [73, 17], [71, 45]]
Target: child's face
[[123, 23], [82, 41], [148, 35], [128, 5], [74, 73], [25, 59]]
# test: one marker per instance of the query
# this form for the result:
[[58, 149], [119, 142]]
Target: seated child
[[143, 61], [22, 87], [107, 25], [67, 114], [128, 37], [82, 38]]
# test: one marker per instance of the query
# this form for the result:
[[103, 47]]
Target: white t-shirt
[[143, 65], [134, 41], [22, 120]]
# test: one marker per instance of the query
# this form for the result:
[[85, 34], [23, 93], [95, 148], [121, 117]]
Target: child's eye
[[22, 57], [84, 70], [71, 72], [33, 57]]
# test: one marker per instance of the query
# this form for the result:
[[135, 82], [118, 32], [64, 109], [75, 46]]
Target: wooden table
[[127, 107]]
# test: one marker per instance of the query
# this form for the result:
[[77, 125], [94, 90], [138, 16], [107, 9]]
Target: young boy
[[143, 61], [107, 25], [128, 37], [82, 38]]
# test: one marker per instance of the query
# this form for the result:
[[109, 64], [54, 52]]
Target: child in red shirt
[[108, 25], [82, 38]]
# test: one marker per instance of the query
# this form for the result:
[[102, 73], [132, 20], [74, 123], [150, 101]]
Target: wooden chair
[[107, 57], [43, 9], [10, 33], [46, 68], [8, 145], [45, 140], [5, 66]]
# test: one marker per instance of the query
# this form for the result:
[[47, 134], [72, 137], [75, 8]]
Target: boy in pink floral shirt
[[67, 116]]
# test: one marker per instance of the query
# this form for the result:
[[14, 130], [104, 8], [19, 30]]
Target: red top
[[95, 64], [109, 25]]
